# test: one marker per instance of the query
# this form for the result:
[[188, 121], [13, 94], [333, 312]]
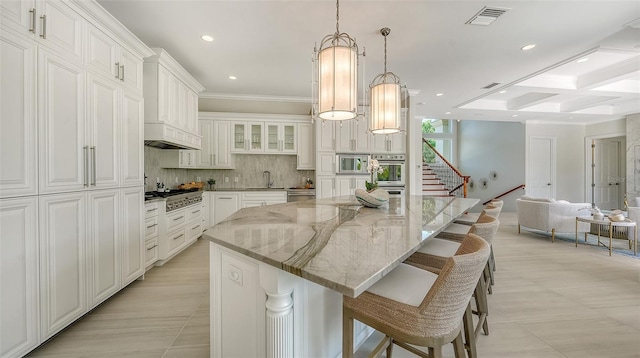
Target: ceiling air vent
[[486, 16], [491, 85]]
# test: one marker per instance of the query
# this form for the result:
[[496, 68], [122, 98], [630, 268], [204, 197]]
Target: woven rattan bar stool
[[436, 251], [412, 306], [471, 218]]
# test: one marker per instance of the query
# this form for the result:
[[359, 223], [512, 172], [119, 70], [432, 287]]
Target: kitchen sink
[[260, 189]]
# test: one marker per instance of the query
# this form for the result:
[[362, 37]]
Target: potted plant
[[374, 169], [211, 183]]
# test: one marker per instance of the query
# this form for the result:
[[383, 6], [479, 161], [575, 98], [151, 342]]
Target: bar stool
[[435, 252], [471, 218], [412, 306]]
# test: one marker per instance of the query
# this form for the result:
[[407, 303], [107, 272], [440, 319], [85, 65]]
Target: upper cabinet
[[170, 103], [248, 137], [352, 137], [306, 147], [216, 145], [281, 137], [390, 143]]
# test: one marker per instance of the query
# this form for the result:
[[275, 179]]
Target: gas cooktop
[[166, 194]]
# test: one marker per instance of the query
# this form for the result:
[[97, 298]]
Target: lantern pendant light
[[385, 98], [337, 76]]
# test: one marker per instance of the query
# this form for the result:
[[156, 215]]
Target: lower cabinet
[[178, 229], [151, 227], [261, 198], [65, 253], [346, 185], [225, 204], [19, 310]]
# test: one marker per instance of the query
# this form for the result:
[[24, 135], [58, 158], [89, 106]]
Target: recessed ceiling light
[[447, 112], [439, 94], [233, 77], [584, 59], [207, 38], [528, 47], [502, 91], [515, 115]]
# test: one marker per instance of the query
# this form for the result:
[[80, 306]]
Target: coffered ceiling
[[585, 67]]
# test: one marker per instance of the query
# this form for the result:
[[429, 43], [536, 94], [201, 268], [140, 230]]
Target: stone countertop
[[335, 242], [248, 189]]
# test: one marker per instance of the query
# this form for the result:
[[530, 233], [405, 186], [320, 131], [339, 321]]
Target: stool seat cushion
[[459, 229], [468, 219], [439, 247], [405, 284]]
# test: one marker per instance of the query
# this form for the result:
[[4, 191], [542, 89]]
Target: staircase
[[431, 185]]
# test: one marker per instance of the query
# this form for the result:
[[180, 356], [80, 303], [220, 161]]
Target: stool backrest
[[486, 227], [445, 303]]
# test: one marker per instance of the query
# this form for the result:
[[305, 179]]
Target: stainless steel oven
[[393, 172]]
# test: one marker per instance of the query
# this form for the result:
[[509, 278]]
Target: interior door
[[607, 175], [541, 167]]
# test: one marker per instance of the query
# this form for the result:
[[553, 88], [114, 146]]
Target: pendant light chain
[[337, 16], [385, 53]]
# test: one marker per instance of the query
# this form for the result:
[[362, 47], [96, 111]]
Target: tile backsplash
[[249, 170]]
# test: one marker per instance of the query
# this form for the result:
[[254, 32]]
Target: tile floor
[[550, 300]]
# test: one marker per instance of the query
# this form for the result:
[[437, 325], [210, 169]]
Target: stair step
[[435, 192], [429, 176], [437, 186], [430, 181]]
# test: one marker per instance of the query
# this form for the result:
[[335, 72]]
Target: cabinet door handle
[[122, 73], [195, 227], [85, 152], [118, 70], [32, 24], [179, 236], [178, 218], [44, 26], [152, 247], [152, 225], [93, 166], [224, 198], [150, 210], [195, 212]]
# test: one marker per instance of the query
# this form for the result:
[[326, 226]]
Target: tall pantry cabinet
[[71, 165]]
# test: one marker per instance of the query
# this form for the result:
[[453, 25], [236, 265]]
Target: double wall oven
[[392, 177]]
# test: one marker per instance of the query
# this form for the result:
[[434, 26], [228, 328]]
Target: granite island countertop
[[336, 242]]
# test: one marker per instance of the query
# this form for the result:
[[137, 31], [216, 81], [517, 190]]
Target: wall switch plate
[[226, 179]]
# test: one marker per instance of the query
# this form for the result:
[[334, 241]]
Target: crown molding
[[246, 97]]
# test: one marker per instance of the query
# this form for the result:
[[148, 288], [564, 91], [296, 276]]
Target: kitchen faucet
[[269, 182]]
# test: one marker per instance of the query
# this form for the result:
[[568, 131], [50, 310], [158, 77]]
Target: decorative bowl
[[373, 199]]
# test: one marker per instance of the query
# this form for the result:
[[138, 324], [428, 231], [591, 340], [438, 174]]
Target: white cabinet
[[281, 138], [347, 184], [206, 210], [325, 135], [177, 230], [19, 281], [247, 137], [132, 152], [151, 229], [224, 204], [216, 145], [103, 132], [326, 164], [171, 102], [352, 137], [18, 114], [261, 198], [178, 158], [306, 147], [51, 23], [64, 154], [63, 266], [103, 246], [325, 186], [390, 143], [133, 234], [106, 57]]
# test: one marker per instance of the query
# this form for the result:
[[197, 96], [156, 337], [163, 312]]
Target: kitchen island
[[278, 272]]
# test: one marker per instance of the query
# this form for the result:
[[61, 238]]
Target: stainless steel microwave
[[352, 163]]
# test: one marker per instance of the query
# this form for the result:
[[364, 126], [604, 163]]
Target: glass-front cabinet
[[281, 138], [248, 137]]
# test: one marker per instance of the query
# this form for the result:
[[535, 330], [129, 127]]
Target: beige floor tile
[[201, 351]]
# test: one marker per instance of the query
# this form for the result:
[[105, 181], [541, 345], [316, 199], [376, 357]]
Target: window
[[441, 134]]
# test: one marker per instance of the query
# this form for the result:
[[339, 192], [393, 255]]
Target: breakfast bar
[[278, 272]]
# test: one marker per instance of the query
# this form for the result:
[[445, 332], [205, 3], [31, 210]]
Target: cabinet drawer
[[194, 230], [151, 227], [151, 252], [176, 240], [194, 212], [151, 209], [175, 219]]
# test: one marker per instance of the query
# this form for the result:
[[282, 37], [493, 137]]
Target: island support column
[[279, 311]]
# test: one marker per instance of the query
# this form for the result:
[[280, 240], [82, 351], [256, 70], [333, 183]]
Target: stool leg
[[347, 334], [458, 348], [469, 334]]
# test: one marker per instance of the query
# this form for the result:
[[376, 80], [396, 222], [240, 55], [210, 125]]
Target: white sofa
[[551, 215]]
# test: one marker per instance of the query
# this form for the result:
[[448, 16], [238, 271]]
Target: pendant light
[[385, 98], [337, 76]]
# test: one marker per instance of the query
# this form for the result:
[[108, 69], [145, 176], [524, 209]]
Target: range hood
[[166, 136]]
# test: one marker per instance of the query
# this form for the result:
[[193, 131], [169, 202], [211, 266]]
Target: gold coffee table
[[626, 223]]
